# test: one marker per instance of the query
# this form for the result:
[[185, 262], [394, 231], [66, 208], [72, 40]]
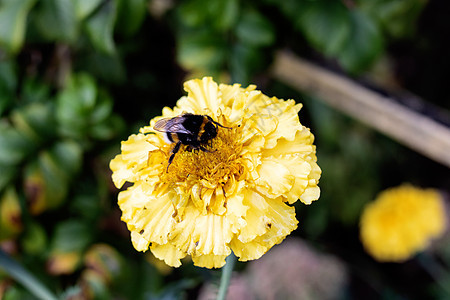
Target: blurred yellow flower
[[401, 222], [236, 196]]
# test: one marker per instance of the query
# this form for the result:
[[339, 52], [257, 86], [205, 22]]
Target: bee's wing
[[171, 125]]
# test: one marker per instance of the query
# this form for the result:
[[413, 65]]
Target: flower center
[[213, 168]]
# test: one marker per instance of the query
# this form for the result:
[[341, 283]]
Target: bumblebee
[[188, 129]]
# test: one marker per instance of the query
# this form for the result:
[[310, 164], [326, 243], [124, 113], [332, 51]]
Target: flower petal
[[231, 92], [249, 249], [301, 145], [274, 178], [286, 112], [203, 96], [203, 235], [212, 234], [209, 261], [255, 217], [139, 243], [154, 221], [278, 221], [132, 200], [121, 172], [167, 252], [126, 166]]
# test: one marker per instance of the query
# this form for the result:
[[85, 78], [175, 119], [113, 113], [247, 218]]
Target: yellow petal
[[264, 228], [231, 92], [301, 145], [299, 157], [256, 222], [310, 194], [182, 234], [139, 243], [121, 172], [170, 254], [258, 115], [203, 95], [249, 250], [274, 178], [300, 170], [132, 200], [126, 166], [236, 210], [218, 202], [209, 261], [135, 150], [154, 221], [282, 221], [212, 235], [235, 110], [286, 112]]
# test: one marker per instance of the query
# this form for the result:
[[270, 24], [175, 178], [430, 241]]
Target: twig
[[403, 124]]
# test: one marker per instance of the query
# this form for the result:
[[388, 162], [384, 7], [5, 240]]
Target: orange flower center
[[214, 167]]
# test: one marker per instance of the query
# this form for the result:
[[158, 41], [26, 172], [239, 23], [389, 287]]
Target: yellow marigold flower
[[236, 196], [401, 222]]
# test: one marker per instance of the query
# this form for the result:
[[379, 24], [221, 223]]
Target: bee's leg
[[217, 123], [203, 149], [174, 151]]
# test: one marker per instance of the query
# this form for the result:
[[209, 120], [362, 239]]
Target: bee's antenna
[[217, 123]]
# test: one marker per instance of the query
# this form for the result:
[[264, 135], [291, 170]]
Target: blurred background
[[77, 77]]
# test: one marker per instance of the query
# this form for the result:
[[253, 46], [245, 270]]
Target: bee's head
[[209, 132]]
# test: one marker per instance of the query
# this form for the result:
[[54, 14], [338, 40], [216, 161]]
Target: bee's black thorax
[[188, 129], [201, 130]]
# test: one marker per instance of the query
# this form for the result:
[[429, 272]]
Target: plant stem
[[227, 270], [20, 274]]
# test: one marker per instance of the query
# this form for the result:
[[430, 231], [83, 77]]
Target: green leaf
[[34, 90], [86, 205], [14, 145], [74, 106], [84, 8], [82, 112], [290, 8], [86, 91], [364, 45], [68, 156], [56, 20], [131, 15], [13, 20], [71, 236], [325, 24], [46, 184], [223, 13], [220, 15], [103, 131], [100, 27], [396, 17], [10, 214], [108, 68], [47, 178], [102, 110], [244, 61], [193, 13], [201, 51], [254, 29], [8, 82], [34, 240], [35, 121], [6, 175]]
